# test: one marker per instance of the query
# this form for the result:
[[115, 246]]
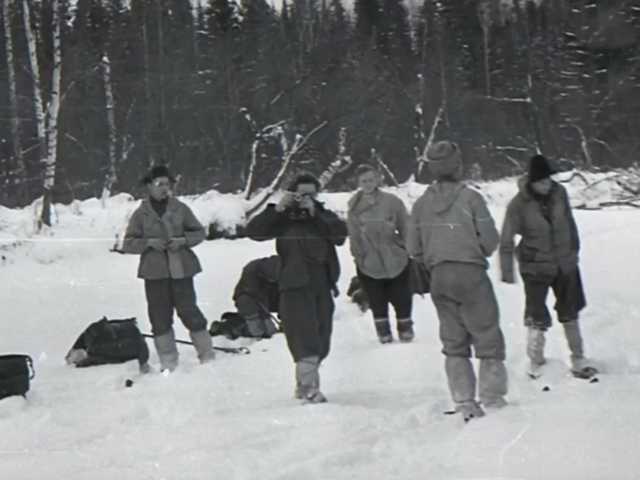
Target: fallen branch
[[432, 134]]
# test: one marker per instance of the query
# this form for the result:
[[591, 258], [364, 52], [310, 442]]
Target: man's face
[[542, 187], [368, 182], [159, 188], [306, 192]]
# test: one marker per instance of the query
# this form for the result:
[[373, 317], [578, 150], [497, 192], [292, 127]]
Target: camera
[[296, 212]]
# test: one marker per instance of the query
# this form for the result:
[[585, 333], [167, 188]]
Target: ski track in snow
[[236, 418]]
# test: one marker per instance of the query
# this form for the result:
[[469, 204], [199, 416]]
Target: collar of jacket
[[172, 205]]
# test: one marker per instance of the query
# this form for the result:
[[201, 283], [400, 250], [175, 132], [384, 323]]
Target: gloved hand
[[157, 244], [176, 243]]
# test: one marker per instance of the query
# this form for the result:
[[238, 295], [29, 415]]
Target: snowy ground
[[236, 418]]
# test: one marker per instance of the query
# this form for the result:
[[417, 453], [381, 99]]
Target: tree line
[[234, 95]]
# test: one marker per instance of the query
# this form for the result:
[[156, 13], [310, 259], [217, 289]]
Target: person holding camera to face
[[306, 236]]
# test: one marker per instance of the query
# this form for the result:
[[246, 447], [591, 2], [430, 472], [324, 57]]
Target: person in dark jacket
[[548, 258], [306, 236], [377, 223], [256, 295], [453, 233], [163, 231]]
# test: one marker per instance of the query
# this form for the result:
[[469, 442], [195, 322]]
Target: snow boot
[[492, 383], [308, 381], [203, 345], [167, 350], [580, 366], [462, 385], [405, 330], [383, 329], [535, 350]]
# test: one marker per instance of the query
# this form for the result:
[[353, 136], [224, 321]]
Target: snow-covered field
[[237, 419]]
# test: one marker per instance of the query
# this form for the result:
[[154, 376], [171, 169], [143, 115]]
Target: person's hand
[[335, 291], [287, 200], [308, 204], [176, 243], [158, 244]]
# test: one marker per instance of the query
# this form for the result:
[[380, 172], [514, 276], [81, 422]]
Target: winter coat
[[293, 238], [450, 222], [378, 234], [259, 281], [177, 221], [546, 244]]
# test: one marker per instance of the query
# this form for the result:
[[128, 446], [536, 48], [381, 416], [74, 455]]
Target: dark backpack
[[110, 341], [16, 371]]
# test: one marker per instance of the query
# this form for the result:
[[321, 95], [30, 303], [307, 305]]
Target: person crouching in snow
[[547, 254], [306, 236], [162, 231], [452, 233], [377, 223]]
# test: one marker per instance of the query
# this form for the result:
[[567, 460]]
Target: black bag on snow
[[16, 371], [109, 341]]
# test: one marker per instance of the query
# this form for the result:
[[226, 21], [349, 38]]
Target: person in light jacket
[[453, 233], [377, 223], [547, 254], [163, 231]]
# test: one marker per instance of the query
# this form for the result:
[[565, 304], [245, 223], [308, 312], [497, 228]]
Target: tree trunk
[[13, 100], [111, 176], [52, 117], [41, 126]]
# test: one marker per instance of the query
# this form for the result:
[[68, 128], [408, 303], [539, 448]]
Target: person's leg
[[537, 318], [456, 341], [379, 304], [401, 297], [160, 310], [184, 295]]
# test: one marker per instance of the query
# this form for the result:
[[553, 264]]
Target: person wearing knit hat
[[163, 231], [548, 259], [453, 234]]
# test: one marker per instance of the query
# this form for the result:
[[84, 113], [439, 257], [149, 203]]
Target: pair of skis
[[232, 350]]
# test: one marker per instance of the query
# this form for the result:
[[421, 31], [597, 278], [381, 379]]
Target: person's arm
[[573, 228], [194, 232], [331, 226], [267, 225], [355, 240], [402, 220], [510, 228], [485, 226], [134, 241], [414, 234]]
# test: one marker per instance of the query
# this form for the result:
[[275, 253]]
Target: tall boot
[[383, 329], [203, 345], [462, 385], [308, 380], [492, 383], [167, 350], [535, 349], [579, 364]]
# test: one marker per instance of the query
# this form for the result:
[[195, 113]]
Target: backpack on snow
[[16, 371], [109, 341]]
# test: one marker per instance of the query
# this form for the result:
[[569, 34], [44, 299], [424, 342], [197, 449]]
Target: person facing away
[[377, 222], [163, 231], [540, 213], [256, 295], [306, 236], [453, 233]]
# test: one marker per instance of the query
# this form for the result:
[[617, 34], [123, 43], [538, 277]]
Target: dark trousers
[[307, 316], [166, 295], [384, 291], [468, 311], [569, 293]]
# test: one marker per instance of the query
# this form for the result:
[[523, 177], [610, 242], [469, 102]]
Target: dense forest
[[236, 95]]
